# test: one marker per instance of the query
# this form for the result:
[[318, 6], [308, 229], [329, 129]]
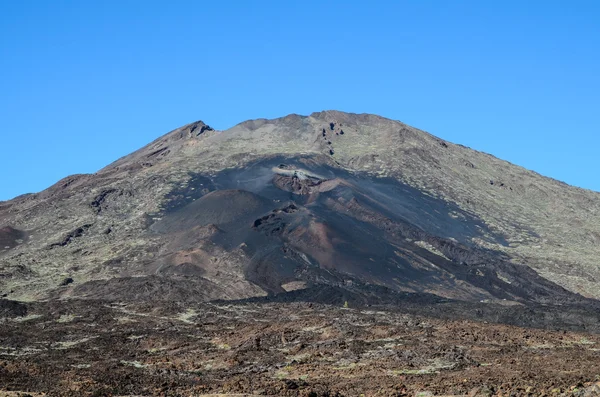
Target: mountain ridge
[[100, 218]]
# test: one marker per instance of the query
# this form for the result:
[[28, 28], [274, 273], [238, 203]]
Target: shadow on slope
[[303, 219]]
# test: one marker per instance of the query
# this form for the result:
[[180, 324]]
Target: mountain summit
[[353, 203]]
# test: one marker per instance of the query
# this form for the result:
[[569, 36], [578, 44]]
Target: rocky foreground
[[94, 348]]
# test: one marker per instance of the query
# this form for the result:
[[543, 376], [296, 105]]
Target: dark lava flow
[[300, 219]]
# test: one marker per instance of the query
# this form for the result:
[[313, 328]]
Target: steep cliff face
[[269, 206]]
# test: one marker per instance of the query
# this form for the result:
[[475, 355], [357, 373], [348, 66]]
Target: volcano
[[334, 199], [325, 255]]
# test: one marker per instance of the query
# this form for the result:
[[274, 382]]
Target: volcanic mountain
[[304, 207]]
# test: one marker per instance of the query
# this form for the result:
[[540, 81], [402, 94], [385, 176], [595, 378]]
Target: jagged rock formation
[[336, 199]]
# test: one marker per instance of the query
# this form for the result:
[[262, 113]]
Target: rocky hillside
[[271, 207]]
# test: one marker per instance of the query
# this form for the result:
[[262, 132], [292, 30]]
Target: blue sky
[[85, 82]]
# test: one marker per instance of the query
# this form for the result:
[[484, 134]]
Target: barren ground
[[93, 348]]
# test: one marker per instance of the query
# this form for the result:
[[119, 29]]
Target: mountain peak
[[332, 194]]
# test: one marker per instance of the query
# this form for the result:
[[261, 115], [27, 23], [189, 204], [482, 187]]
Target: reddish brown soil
[[85, 348]]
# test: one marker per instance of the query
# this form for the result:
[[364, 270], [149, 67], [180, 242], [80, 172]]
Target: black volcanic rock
[[12, 309]]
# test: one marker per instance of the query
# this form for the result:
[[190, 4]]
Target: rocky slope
[[277, 206]]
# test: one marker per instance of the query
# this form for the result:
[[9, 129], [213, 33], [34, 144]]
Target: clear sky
[[85, 82]]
